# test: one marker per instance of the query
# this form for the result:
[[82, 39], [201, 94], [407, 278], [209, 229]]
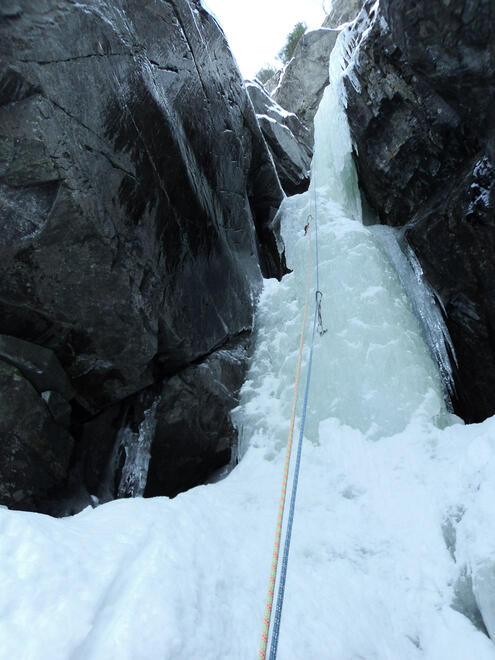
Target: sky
[[258, 29]]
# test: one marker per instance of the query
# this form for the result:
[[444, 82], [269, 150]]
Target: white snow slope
[[394, 535]]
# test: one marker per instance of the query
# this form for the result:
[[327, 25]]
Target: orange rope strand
[[278, 530]]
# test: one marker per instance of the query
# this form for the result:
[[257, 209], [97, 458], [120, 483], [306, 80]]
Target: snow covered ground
[[370, 573], [393, 548]]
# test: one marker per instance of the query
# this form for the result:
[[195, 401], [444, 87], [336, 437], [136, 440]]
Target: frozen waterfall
[[373, 369]]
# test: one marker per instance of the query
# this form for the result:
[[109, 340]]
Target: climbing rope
[[317, 324], [281, 508]]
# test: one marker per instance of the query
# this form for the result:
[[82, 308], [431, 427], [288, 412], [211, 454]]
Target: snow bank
[[370, 572]]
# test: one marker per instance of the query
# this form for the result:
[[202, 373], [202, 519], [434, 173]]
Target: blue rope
[[317, 261], [290, 520]]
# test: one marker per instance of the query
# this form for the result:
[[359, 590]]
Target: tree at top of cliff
[[292, 40]]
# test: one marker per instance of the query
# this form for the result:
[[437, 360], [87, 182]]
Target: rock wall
[[305, 77], [342, 11], [137, 205], [421, 93], [287, 138]]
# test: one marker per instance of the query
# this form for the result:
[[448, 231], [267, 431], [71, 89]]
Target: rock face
[[272, 83], [181, 426], [35, 416], [35, 450], [288, 140], [421, 95], [342, 11], [137, 198], [202, 395], [305, 77]]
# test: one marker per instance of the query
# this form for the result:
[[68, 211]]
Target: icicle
[[137, 455]]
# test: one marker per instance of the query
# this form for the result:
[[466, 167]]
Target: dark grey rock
[[305, 77], [134, 178], [93, 456], [137, 201], [193, 425], [34, 450], [39, 365], [189, 433], [420, 101], [58, 407], [288, 140], [10, 9], [184, 423]]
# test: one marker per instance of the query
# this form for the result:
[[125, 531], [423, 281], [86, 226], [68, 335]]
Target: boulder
[[35, 450], [35, 416], [181, 430], [193, 426], [38, 365], [305, 76], [420, 98], [288, 140], [137, 195]]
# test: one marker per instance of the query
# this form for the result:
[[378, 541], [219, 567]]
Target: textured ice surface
[[423, 301]]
